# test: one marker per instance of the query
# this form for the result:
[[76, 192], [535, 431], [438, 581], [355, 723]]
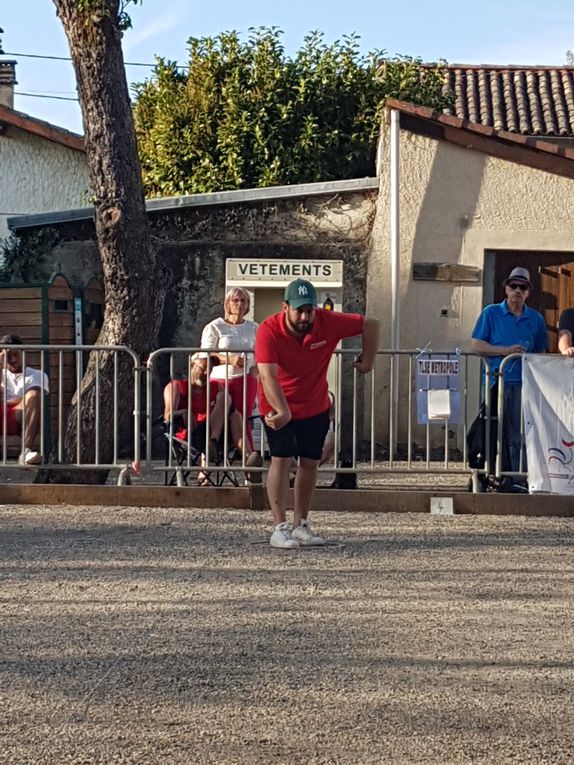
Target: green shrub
[[246, 115]]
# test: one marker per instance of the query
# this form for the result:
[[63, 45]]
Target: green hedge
[[245, 115]]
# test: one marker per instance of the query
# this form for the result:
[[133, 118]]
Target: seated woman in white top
[[228, 336]]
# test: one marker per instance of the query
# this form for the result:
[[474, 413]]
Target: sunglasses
[[516, 286]]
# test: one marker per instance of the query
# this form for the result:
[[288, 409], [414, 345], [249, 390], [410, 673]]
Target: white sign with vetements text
[[323, 273]]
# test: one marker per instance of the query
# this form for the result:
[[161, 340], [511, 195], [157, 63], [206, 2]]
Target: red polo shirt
[[198, 398], [303, 365]]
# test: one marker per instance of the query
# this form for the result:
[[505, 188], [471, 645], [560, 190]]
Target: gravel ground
[[179, 636]]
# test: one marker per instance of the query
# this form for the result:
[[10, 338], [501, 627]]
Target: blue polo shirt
[[497, 325]]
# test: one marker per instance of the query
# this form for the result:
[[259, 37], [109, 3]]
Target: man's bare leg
[[171, 399], [305, 480], [328, 447], [217, 416], [30, 409], [236, 430], [278, 487]]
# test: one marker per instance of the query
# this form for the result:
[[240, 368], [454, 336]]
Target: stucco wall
[[38, 175], [455, 204]]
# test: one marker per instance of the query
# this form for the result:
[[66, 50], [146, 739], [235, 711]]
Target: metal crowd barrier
[[395, 441], [496, 408], [182, 457], [376, 420], [104, 406]]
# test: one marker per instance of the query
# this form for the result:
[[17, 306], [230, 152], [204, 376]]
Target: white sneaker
[[281, 536], [29, 457], [305, 536]]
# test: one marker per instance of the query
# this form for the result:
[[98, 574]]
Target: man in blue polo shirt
[[504, 329]]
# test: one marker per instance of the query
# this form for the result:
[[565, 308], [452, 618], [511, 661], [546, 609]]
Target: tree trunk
[[133, 281]]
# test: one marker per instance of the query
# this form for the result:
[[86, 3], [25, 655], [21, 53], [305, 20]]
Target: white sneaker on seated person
[[29, 457]]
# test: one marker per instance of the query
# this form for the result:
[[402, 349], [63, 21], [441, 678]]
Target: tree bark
[[133, 281]]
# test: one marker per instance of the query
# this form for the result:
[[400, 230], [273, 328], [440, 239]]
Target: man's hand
[[197, 372], [510, 349], [363, 366], [568, 352], [277, 420]]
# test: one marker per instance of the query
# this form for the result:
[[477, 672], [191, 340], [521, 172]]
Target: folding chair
[[177, 456]]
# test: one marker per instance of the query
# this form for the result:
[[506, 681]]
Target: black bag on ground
[[476, 436]]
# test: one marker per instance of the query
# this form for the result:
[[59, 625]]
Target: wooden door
[[552, 276]]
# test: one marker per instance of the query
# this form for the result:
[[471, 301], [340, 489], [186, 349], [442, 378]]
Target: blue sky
[[490, 32]]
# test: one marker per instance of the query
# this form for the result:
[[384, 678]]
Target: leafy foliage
[[25, 255], [246, 115], [97, 8]]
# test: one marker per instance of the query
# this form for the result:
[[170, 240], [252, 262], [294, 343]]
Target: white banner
[[548, 406]]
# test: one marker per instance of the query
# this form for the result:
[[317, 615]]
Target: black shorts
[[299, 438]]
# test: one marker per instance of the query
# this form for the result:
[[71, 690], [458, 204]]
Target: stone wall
[[195, 242]]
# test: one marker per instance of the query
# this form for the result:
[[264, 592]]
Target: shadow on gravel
[[212, 665]]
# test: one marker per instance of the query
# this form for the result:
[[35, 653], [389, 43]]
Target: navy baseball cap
[[300, 292]]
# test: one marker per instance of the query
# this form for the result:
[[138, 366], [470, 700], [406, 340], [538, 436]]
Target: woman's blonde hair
[[236, 292]]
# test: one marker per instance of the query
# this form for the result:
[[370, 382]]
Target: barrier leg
[[124, 478], [477, 483]]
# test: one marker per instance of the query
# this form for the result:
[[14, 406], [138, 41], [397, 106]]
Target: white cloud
[[538, 49], [140, 34]]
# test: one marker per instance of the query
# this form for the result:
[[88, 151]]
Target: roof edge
[[240, 196], [527, 144], [41, 129]]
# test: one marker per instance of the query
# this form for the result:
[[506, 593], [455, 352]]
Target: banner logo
[[564, 456]]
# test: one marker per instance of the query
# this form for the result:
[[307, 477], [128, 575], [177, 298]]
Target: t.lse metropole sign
[[278, 273]]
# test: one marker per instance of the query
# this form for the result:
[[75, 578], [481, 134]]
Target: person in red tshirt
[[177, 410], [293, 349]]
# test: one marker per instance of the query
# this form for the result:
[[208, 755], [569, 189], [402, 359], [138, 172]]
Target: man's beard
[[302, 327]]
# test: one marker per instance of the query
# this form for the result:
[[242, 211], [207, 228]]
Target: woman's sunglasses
[[516, 286]]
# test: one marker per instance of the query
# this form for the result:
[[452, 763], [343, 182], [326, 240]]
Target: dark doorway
[[552, 275]]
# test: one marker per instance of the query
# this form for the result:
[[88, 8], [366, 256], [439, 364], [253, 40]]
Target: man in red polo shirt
[[293, 349]]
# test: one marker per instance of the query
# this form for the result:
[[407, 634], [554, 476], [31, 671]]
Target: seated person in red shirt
[[176, 401], [22, 391]]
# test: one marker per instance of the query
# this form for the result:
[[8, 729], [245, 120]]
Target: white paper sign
[[438, 404], [548, 406]]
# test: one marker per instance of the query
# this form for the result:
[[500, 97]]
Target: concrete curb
[[254, 498]]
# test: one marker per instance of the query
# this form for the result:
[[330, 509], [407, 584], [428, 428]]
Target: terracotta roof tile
[[535, 100]]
